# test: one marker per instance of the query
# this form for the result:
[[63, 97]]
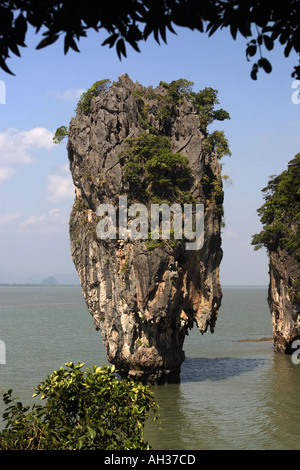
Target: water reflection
[[230, 403], [196, 369], [212, 406], [282, 404]]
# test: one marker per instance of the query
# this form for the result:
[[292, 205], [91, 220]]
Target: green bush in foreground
[[88, 410]]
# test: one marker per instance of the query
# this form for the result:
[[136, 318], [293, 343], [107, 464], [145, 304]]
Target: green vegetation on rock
[[83, 105], [205, 102], [85, 99], [153, 172], [280, 214], [60, 134], [216, 142]]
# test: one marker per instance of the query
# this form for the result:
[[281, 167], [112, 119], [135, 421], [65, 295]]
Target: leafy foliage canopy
[[261, 22], [153, 171], [89, 410], [280, 214]]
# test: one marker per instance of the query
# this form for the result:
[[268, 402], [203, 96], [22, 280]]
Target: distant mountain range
[[7, 277]]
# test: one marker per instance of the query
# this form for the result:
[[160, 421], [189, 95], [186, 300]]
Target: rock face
[[283, 301], [143, 299], [280, 235]]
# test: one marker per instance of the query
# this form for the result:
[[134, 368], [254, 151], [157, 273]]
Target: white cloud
[[7, 218], [60, 185], [229, 234], [16, 147], [58, 216], [39, 137], [52, 222], [6, 173], [32, 219], [56, 221], [72, 94], [55, 212]]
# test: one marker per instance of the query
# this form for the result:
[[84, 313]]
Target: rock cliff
[[284, 301], [281, 236], [144, 295]]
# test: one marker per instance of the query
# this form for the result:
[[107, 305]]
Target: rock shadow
[[197, 369]]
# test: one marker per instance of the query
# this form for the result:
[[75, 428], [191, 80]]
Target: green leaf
[[20, 29], [110, 40], [121, 49], [49, 39], [5, 67], [268, 41], [233, 30], [251, 50], [69, 42], [265, 64], [92, 433], [254, 72]]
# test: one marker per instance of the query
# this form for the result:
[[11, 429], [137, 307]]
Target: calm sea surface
[[234, 394]]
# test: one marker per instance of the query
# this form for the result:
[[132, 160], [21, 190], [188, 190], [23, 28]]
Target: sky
[[36, 190]]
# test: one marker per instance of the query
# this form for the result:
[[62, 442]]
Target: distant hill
[[8, 277], [49, 281]]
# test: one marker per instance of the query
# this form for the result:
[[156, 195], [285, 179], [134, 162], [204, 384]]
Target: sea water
[[235, 391]]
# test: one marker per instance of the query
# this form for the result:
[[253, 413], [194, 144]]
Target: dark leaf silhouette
[[133, 21]]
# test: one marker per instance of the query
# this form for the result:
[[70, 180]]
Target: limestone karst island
[[150, 146]]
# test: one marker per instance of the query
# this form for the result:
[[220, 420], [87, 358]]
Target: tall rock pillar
[[144, 295], [281, 237]]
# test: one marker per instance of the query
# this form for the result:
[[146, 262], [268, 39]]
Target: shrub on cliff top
[[60, 134], [89, 410], [85, 99], [205, 101]]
